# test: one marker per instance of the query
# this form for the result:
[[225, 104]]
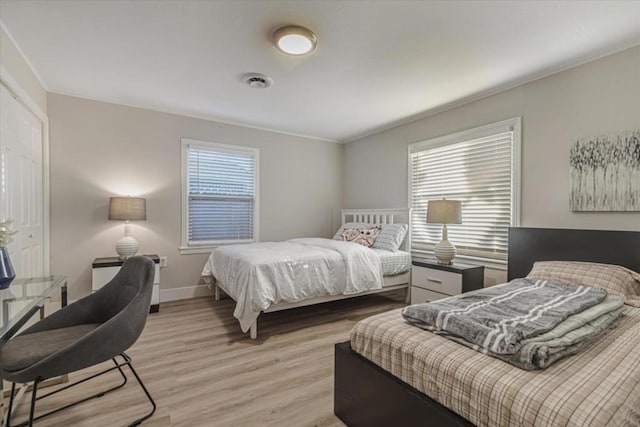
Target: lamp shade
[[127, 208], [444, 212]]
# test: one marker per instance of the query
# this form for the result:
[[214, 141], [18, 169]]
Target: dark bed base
[[367, 395]]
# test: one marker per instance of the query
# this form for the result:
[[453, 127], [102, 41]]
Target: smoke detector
[[257, 80]]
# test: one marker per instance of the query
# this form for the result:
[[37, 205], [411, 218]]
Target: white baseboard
[[174, 294], [166, 295]]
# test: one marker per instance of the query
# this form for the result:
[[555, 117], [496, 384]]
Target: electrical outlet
[[163, 262]]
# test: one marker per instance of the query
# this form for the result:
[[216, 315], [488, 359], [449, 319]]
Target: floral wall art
[[605, 173]]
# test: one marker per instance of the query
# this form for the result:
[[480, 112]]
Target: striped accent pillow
[[615, 279], [391, 237]]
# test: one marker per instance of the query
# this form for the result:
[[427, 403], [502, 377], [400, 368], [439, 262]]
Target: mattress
[[598, 387], [393, 263]]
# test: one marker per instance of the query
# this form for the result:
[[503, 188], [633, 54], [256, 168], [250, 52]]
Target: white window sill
[[195, 250], [205, 249]]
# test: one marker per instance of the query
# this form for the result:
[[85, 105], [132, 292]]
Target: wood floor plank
[[202, 371]]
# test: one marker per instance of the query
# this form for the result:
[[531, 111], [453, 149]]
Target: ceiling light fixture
[[295, 40]]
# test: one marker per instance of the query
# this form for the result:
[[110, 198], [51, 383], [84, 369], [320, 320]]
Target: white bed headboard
[[381, 216]]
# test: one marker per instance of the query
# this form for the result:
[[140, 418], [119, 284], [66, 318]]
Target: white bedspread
[[258, 275]]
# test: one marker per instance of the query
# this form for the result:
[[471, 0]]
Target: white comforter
[[258, 275]]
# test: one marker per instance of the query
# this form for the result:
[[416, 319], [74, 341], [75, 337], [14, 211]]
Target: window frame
[[185, 143], [513, 124]]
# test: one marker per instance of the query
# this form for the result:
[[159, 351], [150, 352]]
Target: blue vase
[[7, 273]]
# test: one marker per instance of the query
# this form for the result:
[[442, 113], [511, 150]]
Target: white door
[[21, 192]]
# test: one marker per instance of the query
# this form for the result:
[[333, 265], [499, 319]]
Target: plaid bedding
[[615, 279], [598, 387]]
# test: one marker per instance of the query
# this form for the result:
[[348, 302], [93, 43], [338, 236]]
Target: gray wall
[[596, 98], [99, 150]]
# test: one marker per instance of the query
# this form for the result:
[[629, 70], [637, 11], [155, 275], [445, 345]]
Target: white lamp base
[[444, 251], [128, 245]]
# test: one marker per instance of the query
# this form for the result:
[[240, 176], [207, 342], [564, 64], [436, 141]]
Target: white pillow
[[391, 237]]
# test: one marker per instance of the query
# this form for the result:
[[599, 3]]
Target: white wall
[[18, 76], [596, 98], [14, 63], [99, 150]]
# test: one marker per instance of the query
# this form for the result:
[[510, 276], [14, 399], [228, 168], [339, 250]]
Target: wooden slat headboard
[[381, 216], [528, 245]]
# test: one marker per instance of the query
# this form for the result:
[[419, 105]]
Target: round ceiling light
[[295, 40]]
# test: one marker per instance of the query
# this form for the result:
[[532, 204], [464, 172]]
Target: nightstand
[[431, 281], [104, 269]]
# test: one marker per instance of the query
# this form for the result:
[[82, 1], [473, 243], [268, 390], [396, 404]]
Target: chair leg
[[33, 401], [153, 410], [13, 393], [100, 394], [127, 361]]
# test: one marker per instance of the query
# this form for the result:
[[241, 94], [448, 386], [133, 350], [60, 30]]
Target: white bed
[[276, 276]]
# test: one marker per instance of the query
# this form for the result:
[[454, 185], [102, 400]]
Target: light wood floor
[[202, 371]]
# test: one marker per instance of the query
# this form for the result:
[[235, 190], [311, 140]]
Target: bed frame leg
[[216, 291], [253, 331], [407, 295]]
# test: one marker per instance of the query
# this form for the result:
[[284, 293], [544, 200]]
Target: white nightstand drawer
[[102, 276], [419, 295], [443, 282]]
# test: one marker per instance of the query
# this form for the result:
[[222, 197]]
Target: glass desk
[[25, 297]]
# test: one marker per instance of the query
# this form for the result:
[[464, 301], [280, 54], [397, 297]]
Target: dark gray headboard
[[528, 245]]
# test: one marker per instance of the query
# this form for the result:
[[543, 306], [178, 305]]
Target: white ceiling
[[377, 64]]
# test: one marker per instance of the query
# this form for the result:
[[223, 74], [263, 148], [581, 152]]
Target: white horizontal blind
[[477, 172], [221, 188]]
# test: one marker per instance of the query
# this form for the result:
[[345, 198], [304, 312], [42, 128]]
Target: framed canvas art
[[605, 173]]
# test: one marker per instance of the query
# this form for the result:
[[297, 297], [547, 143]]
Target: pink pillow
[[361, 235]]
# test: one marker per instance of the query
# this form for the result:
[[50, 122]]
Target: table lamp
[[127, 209], [444, 212]]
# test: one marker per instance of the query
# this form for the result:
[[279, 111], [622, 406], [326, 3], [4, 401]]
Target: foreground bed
[[275, 276], [394, 373]]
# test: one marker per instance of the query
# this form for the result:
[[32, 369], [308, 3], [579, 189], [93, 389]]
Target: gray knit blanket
[[528, 323]]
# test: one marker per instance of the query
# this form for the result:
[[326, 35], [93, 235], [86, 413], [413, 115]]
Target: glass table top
[[23, 298]]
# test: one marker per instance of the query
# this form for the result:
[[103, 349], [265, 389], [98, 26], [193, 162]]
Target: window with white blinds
[[219, 193], [479, 167]]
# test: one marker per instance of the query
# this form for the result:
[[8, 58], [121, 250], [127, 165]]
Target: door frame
[[13, 86]]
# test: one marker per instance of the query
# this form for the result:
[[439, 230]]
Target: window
[[479, 167], [219, 195]]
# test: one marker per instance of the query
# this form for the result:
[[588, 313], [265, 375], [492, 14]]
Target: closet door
[[21, 189]]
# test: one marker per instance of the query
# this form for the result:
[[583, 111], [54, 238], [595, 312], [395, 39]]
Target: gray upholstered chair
[[95, 329]]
